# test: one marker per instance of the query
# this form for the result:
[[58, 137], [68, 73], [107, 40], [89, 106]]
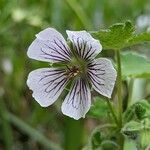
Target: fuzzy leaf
[[107, 145], [132, 129], [96, 140], [116, 36], [142, 109], [120, 35], [144, 141], [139, 110], [139, 38], [99, 108], [135, 66], [132, 126], [129, 145]]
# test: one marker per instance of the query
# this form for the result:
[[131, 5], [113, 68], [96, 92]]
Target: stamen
[[72, 71]]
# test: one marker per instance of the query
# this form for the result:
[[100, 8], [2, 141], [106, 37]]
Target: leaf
[[129, 145], [96, 140], [144, 139], [139, 38], [132, 129], [99, 108], [145, 134], [142, 109], [116, 36], [107, 145], [132, 126], [135, 66], [138, 110], [146, 106], [129, 114], [120, 35]]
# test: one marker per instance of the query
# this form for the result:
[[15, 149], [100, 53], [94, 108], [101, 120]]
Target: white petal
[[86, 46], [47, 84], [102, 75], [78, 101], [49, 46]]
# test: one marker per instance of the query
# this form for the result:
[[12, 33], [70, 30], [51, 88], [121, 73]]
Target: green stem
[[6, 127], [80, 13], [130, 91], [73, 132], [119, 95], [31, 132], [112, 111], [119, 88]]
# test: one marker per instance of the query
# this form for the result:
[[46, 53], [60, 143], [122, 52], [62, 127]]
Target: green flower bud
[[140, 111]]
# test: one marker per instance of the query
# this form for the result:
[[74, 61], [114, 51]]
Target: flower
[[76, 65]]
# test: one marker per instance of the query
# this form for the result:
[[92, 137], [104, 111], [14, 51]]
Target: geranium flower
[[76, 65]]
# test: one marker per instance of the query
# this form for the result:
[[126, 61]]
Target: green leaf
[[107, 145], [135, 66], [138, 131], [132, 126], [99, 108], [142, 109], [120, 35], [129, 145], [132, 129], [139, 38], [129, 114], [96, 140], [116, 36], [146, 105], [138, 110], [144, 141]]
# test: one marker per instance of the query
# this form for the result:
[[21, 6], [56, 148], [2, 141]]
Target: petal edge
[[102, 76]]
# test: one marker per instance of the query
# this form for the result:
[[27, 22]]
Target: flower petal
[[78, 101], [49, 46], [47, 84], [86, 46], [102, 75]]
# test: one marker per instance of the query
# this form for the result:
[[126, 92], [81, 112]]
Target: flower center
[[72, 71]]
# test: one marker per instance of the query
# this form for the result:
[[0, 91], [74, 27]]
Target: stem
[[73, 4], [119, 88], [73, 133], [112, 111], [131, 83], [119, 94], [6, 127], [31, 132]]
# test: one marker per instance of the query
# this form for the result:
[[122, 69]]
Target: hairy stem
[[130, 91], [119, 95], [112, 111]]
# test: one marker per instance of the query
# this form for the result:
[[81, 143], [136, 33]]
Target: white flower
[[77, 64]]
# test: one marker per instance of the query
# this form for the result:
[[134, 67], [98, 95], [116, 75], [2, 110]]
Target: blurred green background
[[24, 125]]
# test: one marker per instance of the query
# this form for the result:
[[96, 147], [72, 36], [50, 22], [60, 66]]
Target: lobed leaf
[[120, 35], [116, 36], [139, 38]]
